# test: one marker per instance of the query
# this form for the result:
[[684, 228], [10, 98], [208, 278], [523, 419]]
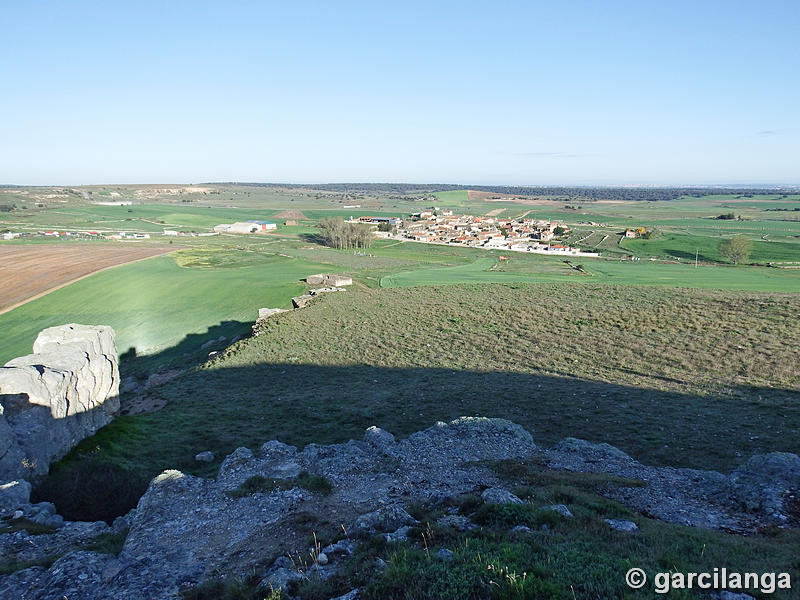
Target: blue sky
[[486, 93]]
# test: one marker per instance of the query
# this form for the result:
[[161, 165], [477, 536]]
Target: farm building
[[264, 225], [247, 227], [329, 279], [393, 221], [291, 223]]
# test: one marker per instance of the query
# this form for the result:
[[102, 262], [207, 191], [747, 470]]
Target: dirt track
[[28, 272]]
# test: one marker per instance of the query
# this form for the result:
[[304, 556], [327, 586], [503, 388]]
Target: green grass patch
[[675, 377], [263, 485], [155, 304]]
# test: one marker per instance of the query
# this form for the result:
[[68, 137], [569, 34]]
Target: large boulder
[[765, 482], [52, 399]]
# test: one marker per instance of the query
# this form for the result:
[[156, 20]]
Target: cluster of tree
[[334, 232], [727, 216], [796, 208], [7, 207], [651, 234], [736, 249]]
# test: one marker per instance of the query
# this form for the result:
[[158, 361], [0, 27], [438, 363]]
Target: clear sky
[[639, 92]]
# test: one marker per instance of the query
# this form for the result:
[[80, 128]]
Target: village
[[435, 226]]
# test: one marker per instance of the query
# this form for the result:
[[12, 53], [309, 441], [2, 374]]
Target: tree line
[[335, 233]]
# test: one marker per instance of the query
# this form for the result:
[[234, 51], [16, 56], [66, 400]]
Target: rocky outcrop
[[305, 299], [187, 529], [52, 399]]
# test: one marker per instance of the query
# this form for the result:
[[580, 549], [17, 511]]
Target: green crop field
[[155, 304], [646, 273]]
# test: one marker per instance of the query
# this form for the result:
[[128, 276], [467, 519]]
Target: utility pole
[[696, 252]]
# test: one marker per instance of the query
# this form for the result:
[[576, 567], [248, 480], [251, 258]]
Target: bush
[[511, 515]]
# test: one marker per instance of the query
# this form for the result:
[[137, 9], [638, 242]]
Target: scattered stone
[[389, 518], [344, 547], [212, 355], [325, 290], [186, 528], [302, 301], [457, 522], [129, 385], [264, 313], [500, 496], [54, 521], [726, 595], [591, 451], [445, 554], [622, 525], [23, 546], [279, 578], [401, 535], [206, 456], [351, 595], [560, 509], [13, 495], [156, 379]]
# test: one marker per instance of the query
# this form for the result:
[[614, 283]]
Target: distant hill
[[650, 194]]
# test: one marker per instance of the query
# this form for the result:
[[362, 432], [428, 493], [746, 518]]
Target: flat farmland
[[29, 271]]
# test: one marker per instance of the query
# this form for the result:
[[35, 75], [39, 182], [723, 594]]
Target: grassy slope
[[677, 377]]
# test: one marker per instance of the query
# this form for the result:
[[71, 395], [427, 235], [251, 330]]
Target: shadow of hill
[[220, 408], [189, 352]]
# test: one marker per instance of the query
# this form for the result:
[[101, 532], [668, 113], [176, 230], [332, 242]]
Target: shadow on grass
[[189, 352], [690, 256], [221, 408]]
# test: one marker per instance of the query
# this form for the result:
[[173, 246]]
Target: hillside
[[674, 377]]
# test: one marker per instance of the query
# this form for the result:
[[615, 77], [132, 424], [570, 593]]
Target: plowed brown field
[[27, 272]]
